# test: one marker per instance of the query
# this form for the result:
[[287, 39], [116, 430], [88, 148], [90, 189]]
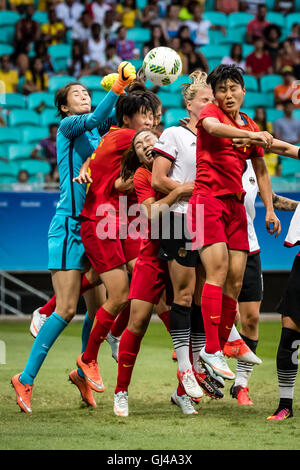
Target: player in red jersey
[[222, 238], [102, 224]]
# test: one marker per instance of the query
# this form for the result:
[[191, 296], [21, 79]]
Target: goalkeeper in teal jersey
[[77, 138]]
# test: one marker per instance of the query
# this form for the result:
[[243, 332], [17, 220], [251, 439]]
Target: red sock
[[211, 303], [128, 350], [85, 285], [229, 307], [121, 321], [165, 318], [180, 390], [49, 307], [101, 327]]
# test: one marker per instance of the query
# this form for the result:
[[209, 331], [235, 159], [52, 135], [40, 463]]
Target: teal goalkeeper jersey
[[77, 138]]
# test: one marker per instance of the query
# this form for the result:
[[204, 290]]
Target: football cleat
[[218, 363], [23, 393], [174, 356], [185, 403], [208, 385], [189, 383], [83, 387], [281, 415], [239, 350], [114, 344], [216, 379], [241, 394], [121, 404], [37, 321], [91, 373]]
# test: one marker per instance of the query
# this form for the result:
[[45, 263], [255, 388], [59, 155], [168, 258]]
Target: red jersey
[[105, 168], [220, 165], [144, 190]]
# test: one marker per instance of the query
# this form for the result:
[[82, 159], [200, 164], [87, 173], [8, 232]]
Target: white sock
[[234, 334]]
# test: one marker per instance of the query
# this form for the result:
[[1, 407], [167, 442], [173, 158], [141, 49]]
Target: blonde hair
[[189, 90]]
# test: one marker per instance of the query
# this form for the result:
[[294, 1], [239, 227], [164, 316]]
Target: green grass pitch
[[60, 420]]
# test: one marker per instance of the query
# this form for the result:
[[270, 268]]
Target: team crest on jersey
[[182, 252], [252, 180]]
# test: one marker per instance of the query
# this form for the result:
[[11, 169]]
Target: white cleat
[[190, 384], [114, 344], [121, 404], [239, 350], [218, 364], [185, 403], [37, 322]]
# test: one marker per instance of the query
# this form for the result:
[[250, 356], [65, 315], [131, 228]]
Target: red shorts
[[150, 278], [109, 253], [218, 219]]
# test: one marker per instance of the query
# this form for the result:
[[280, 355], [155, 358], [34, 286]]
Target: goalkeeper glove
[[126, 75]]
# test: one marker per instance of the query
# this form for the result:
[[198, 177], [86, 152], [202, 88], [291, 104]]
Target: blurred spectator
[[284, 6], [175, 44], [185, 12], [27, 31], [235, 57], [23, 182], [112, 60], [19, 5], [287, 128], [22, 64], [251, 6], [184, 32], [95, 48], [153, 12], [98, 10], [69, 12], [78, 63], [128, 13], [126, 48], [81, 31], [8, 76], [272, 35], [227, 6], [259, 62], [41, 52], [53, 32], [288, 90], [35, 78], [171, 23], [271, 159], [199, 27], [157, 39], [287, 56], [46, 149], [256, 27], [295, 35], [195, 60], [110, 25]]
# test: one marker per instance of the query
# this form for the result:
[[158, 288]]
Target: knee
[[66, 311], [233, 287], [184, 297], [250, 320]]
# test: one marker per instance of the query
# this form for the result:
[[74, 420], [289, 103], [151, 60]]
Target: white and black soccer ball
[[162, 66]]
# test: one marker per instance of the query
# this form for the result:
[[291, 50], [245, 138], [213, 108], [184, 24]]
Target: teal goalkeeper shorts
[[65, 247]]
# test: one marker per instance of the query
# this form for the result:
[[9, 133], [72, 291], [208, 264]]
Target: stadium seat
[[6, 49], [138, 63], [209, 5], [250, 112], [92, 82], [214, 51], [216, 18], [21, 117], [290, 20], [139, 34], [247, 49], [8, 172], [269, 82], [58, 81], [97, 97], [172, 116], [276, 18], [17, 151], [216, 37], [49, 116], [254, 99], [239, 19], [9, 137], [176, 86], [59, 54], [175, 99], [234, 35], [35, 99], [5, 36], [251, 83], [296, 114], [272, 114], [9, 18], [290, 167], [14, 100], [33, 134], [34, 166], [41, 17]]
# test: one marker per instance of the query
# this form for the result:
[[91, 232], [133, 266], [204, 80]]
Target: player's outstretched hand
[[108, 81], [83, 178], [273, 224], [127, 74], [263, 138]]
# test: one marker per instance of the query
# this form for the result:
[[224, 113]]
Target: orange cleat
[[238, 349], [91, 373], [174, 356], [83, 387], [281, 415], [241, 394], [23, 393]]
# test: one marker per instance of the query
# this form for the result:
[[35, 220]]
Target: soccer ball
[[162, 66]]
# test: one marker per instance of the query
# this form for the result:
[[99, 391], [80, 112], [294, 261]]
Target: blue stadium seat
[[254, 99], [216, 18], [35, 99], [239, 19], [21, 117], [247, 49], [8, 18], [8, 172], [296, 114], [14, 101], [59, 54], [92, 82], [251, 83], [216, 37], [269, 82], [272, 114], [41, 17], [290, 167], [139, 34], [8, 32], [138, 63], [172, 116], [176, 86], [233, 35], [175, 99], [34, 134], [270, 4], [214, 51], [290, 20], [250, 112], [17, 151], [209, 5], [213, 63], [58, 81], [276, 18], [9, 137], [6, 49], [5, 36], [140, 4], [97, 97], [49, 116], [34, 166]]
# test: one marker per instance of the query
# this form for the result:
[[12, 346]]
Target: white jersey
[[178, 144], [251, 188], [293, 235]]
